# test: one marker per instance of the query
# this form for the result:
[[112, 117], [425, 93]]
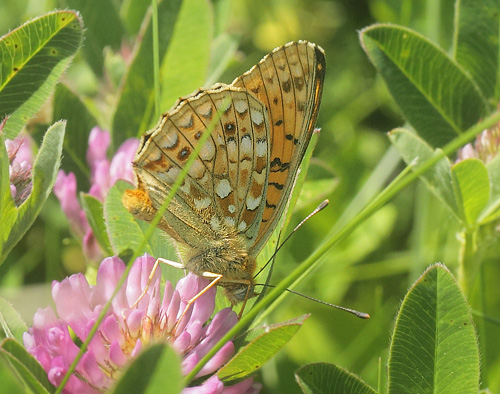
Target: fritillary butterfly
[[235, 192]]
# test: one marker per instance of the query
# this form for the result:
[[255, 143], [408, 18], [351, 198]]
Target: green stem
[[156, 58], [481, 327]]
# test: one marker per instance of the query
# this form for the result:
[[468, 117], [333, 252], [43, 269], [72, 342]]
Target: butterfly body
[[237, 187]]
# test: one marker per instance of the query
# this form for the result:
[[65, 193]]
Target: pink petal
[[112, 331], [72, 297], [205, 304], [247, 386], [13, 191], [210, 386], [74, 385], [99, 177], [65, 191], [91, 248], [110, 271], [195, 330], [182, 342], [184, 318], [99, 141], [57, 371], [189, 361], [173, 311], [137, 349], [121, 164], [89, 368], [168, 292], [97, 345], [222, 322], [218, 360], [116, 354], [49, 338], [25, 151], [57, 338], [43, 357], [134, 322], [190, 286]]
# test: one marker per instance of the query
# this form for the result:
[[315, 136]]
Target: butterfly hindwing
[[226, 182]]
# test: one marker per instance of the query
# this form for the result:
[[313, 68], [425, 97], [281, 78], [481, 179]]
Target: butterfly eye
[[229, 127]]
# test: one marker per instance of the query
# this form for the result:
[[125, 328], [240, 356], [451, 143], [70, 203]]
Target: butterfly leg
[[215, 278], [151, 275]]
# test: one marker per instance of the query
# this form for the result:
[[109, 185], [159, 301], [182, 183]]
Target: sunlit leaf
[[492, 210], [472, 188], [434, 347], [185, 66], [33, 58], [11, 322], [30, 371], [326, 378], [476, 46], [261, 344], [436, 96], [438, 179], [95, 216]]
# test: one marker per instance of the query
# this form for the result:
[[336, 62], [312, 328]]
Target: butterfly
[[238, 186]]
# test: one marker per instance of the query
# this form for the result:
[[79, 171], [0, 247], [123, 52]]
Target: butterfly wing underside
[[241, 178], [289, 82], [222, 190]]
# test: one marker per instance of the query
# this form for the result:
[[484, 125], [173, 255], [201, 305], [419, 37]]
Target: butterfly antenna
[[361, 315], [318, 209]]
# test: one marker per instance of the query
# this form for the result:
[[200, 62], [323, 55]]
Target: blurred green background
[[371, 269]]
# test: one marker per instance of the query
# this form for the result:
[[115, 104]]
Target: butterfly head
[[239, 292]]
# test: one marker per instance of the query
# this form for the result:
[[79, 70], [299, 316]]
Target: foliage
[[378, 237]]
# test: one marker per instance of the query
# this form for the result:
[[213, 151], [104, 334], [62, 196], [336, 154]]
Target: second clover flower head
[[485, 147], [20, 163]]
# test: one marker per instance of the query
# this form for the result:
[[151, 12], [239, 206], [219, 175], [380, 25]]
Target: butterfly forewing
[[289, 82]]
